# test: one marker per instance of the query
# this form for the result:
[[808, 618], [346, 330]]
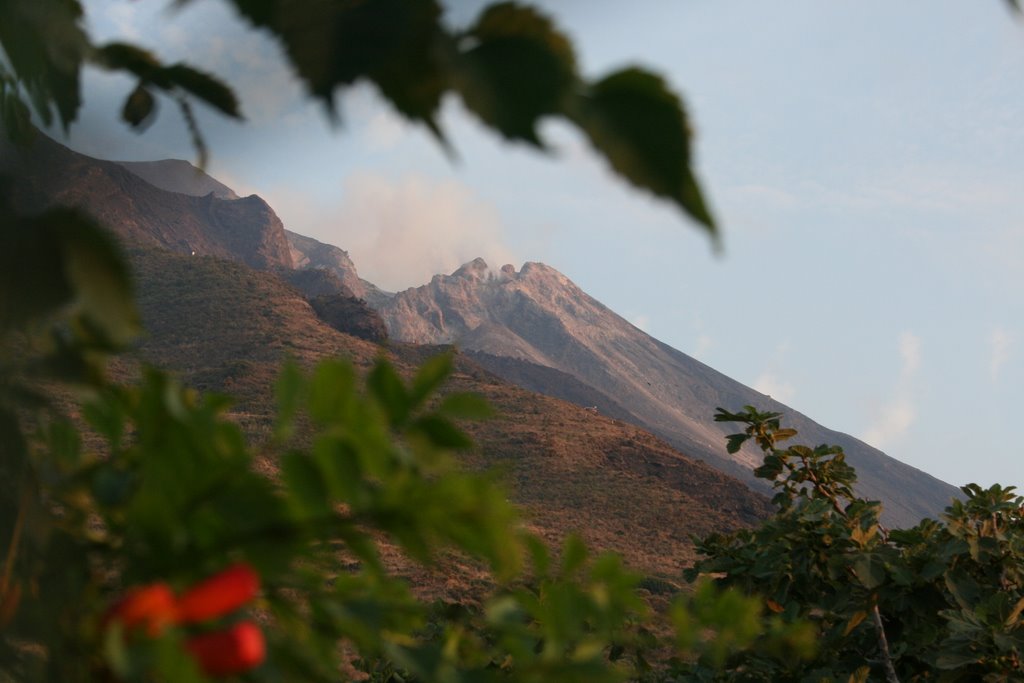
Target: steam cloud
[[401, 232], [897, 416]]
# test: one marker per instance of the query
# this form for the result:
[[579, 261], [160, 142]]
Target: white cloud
[[775, 387], [704, 344], [641, 321], [895, 417], [910, 354], [1000, 343], [771, 381], [401, 232]]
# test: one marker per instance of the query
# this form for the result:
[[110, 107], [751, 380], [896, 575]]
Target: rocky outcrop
[[245, 230], [538, 315], [310, 253], [350, 315]]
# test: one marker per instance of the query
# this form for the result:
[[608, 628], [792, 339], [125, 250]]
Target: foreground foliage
[[941, 601], [140, 542]]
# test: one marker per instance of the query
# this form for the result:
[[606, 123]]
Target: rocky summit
[[538, 316]]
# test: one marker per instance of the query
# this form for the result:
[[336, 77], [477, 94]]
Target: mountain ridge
[[539, 315]]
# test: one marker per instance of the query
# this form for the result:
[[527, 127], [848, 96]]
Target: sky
[[865, 161]]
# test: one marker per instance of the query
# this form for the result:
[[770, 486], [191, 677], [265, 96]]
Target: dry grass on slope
[[224, 327]]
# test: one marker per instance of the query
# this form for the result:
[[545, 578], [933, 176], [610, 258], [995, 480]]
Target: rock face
[[245, 229], [538, 315], [350, 315], [310, 253]]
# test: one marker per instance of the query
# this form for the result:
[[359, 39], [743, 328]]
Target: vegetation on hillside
[[139, 542]]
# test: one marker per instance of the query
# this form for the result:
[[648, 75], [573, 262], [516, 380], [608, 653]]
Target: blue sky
[[865, 160]]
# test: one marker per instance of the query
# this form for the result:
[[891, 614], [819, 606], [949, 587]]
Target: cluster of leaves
[[940, 601], [512, 68], [169, 494]]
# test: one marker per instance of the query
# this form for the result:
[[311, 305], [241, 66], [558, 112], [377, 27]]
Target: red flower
[[150, 607], [232, 651], [218, 595]]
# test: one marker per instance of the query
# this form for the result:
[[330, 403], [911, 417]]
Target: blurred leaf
[[288, 391], [441, 432], [138, 61], [139, 108], [964, 589], [45, 46], [59, 257], [397, 44], [331, 391], [854, 621], [99, 274], [639, 125], [64, 443], [306, 485], [467, 406], [1014, 616], [539, 556], [14, 112], [388, 389], [33, 277], [204, 86], [518, 67], [574, 554], [429, 377], [955, 660]]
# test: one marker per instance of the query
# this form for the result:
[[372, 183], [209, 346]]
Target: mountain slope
[[223, 327], [538, 315]]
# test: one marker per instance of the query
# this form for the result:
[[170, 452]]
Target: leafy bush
[[940, 601]]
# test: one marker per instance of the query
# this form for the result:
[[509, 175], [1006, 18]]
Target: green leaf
[[306, 485], [466, 406], [331, 391], [117, 56], [574, 554], [387, 387], [869, 570], [854, 621], [139, 108], [783, 434], [1014, 616], [964, 589], [518, 68], [397, 44], [204, 86], [44, 45], [429, 377], [62, 257], [955, 660], [288, 390], [734, 442], [861, 675], [99, 275], [639, 125], [14, 112], [441, 433]]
